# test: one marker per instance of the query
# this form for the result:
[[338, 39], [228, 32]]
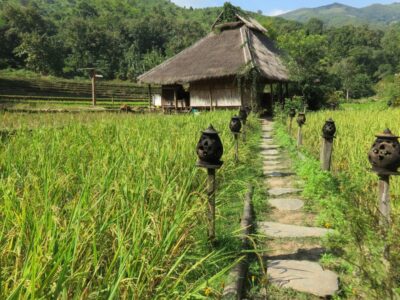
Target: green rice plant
[[347, 199], [100, 206]]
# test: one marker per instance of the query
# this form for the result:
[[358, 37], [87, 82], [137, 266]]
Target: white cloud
[[276, 12]]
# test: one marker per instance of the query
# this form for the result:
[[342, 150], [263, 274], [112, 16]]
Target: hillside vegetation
[[346, 199], [125, 38], [101, 206], [337, 14]]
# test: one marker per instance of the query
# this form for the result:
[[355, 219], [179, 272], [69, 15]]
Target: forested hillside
[[123, 38], [127, 37], [336, 14]]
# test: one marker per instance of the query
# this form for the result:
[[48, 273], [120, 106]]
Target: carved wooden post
[[243, 118], [235, 125], [328, 134], [301, 120], [211, 188], [150, 97], [384, 157], [209, 150], [93, 75], [384, 200], [292, 114], [236, 147]]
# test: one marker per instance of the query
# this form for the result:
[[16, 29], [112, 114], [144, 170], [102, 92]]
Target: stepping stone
[[268, 158], [270, 152], [269, 147], [286, 204], [303, 276], [283, 191], [275, 165], [278, 174], [267, 138], [278, 230], [275, 168], [279, 182], [267, 142], [282, 182], [272, 162]]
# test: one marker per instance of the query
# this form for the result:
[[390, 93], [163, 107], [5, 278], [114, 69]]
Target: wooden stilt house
[[228, 68]]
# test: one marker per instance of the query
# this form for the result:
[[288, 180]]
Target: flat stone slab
[[268, 142], [283, 191], [303, 276], [267, 138], [280, 182], [269, 147], [278, 174], [273, 162], [286, 204], [273, 165], [269, 158], [278, 230], [270, 152]]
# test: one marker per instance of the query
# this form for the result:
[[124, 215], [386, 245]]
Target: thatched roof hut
[[212, 66]]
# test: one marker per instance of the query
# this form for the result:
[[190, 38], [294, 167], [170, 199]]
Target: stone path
[[294, 245], [286, 204]]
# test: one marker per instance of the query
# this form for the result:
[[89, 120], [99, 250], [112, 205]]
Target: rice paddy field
[[356, 130], [347, 199], [100, 206]]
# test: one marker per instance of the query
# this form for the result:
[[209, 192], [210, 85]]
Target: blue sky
[[272, 8]]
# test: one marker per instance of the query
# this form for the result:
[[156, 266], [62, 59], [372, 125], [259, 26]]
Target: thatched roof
[[220, 54]]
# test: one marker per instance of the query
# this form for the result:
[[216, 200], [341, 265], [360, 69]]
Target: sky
[[273, 8]]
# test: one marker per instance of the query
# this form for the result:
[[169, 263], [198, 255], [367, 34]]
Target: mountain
[[337, 14]]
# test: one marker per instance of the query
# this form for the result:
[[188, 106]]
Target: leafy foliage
[[126, 38], [346, 200], [338, 14]]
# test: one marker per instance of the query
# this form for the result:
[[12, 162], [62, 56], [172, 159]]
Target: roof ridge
[[252, 23], [247, 30]]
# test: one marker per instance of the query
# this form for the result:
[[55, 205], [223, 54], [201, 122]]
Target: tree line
[[341, 62], [125, 38], [122, 38]]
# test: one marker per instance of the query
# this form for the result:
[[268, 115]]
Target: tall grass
[[347, 199], [113, 207]]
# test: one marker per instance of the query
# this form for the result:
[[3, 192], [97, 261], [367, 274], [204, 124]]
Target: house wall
[[216, 93], [168, 94], [156, 100]]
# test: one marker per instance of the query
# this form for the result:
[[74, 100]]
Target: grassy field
[[36, 105], [347, 199], [111, 206], [22, 86]]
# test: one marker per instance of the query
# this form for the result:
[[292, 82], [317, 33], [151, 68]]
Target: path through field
[[293, 243]]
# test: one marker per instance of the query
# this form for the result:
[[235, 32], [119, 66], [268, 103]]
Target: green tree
[[41, 53], [346, 70], [229, 12], [314, 26], [391, 47], [307, 64]]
